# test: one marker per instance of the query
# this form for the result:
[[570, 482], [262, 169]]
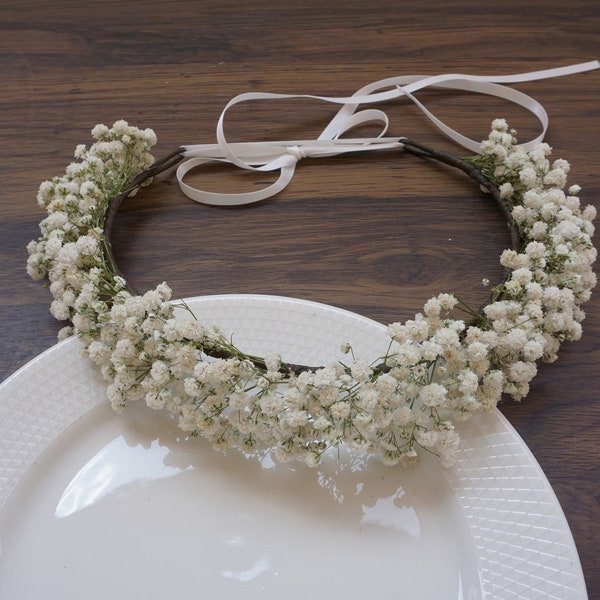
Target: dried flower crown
[[438, 369]]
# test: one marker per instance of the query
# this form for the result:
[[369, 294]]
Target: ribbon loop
[[283, 156]]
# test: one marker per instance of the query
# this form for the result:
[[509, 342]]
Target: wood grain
[[375, 236]]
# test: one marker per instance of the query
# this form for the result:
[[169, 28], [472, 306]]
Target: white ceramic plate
[[98, 505]]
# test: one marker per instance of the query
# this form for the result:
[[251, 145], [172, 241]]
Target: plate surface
[[99, 505]]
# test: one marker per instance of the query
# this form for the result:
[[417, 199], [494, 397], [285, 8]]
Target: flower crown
[[438, 369]]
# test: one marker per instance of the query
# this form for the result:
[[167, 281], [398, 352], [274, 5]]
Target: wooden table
[[376, 235]]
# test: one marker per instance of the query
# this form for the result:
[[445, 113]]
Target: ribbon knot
[[297, 152], [268, 156]]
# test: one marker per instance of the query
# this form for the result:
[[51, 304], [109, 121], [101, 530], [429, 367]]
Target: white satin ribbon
[[282, 156]]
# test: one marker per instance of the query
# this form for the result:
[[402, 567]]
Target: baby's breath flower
[[65, 333], [345, 348], [506, 190], [361, 371], [499, 125], [433, 395], [325, 377]]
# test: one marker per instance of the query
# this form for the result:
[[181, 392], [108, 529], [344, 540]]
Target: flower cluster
[[438, 370]]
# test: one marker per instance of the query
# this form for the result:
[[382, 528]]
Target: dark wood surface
[[376, 235]]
